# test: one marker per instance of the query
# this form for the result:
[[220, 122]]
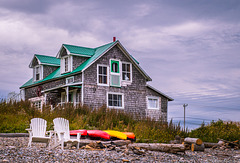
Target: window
[[126, 72], [115, 100], [37, 104], [153, 102], [102, 76], [66, 64], [38, 73], [115, 73], [114, 66], [69, 80]]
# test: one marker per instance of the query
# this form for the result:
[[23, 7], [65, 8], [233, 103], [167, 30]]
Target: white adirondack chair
[[61, 128], [37, 132]]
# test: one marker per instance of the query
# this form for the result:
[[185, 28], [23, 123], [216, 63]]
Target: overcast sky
[[191, 49]]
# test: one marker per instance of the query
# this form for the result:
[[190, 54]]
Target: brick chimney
[[114, 39]]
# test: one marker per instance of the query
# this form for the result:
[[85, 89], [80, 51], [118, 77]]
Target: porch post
[[45, 98], [67, 93]]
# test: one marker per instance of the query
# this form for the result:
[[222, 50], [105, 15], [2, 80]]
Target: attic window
[[114, 66], [126, 71], [66, 64], [37, 72], [115, 75]]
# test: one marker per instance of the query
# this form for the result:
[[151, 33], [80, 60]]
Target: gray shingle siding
[[134, 94], [77, 61], [163, 102], [47, 70]]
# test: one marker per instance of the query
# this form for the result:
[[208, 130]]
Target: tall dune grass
[[16, 116]]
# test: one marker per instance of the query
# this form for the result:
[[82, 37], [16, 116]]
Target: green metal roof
[[93, 53], [57, 74], [48, 60], [98, 51], [29, 82], [79, 50]]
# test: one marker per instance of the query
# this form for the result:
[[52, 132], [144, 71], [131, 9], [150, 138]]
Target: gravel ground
[[16, 150]]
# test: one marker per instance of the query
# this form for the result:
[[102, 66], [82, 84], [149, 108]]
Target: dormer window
[[66, 64], [37, 73]]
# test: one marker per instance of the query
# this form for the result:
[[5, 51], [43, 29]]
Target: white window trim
[[72, 77], [113, 73], [153, 97], [101, 84], [116, 93], [70, 62], [127, 81], [120, 66], [40, 71]]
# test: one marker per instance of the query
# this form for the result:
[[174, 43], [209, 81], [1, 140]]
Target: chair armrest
[[29, 131], [78, 136]]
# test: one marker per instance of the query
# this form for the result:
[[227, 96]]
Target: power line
[[218, 107]]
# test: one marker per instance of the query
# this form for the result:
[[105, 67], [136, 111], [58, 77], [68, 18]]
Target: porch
[[64, 94]]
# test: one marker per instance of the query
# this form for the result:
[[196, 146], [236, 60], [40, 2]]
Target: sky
[[190, 49]]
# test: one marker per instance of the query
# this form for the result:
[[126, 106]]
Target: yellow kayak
[[116, 134]]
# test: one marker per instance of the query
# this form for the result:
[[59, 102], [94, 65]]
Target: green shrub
[[215, 130]]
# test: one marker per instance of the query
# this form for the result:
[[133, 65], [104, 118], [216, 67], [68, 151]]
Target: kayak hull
[[82, 132], [130, 135], [116, 134], [98, 134]]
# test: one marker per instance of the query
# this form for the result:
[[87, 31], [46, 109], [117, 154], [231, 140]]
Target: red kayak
[[82, 132], [98, 134]]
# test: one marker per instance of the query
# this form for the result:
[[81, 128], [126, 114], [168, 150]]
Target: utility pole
[[184, 106]]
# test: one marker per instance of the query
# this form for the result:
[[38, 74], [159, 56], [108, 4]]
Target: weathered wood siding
[[47, 70], [77, 61], [95, 96], [160, 114]]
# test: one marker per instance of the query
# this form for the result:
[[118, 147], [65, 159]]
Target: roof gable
[[75, 50], [44, 60], [78, 50]]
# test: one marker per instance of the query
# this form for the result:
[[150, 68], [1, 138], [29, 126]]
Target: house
[[106, 75]]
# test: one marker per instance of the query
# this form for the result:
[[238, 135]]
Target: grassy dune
[[15, 117]]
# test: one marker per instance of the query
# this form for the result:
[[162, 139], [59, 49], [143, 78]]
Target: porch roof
[[74, 85]]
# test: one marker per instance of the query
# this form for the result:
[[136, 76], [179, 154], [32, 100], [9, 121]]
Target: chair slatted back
[[38, 126], [62, 125]]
